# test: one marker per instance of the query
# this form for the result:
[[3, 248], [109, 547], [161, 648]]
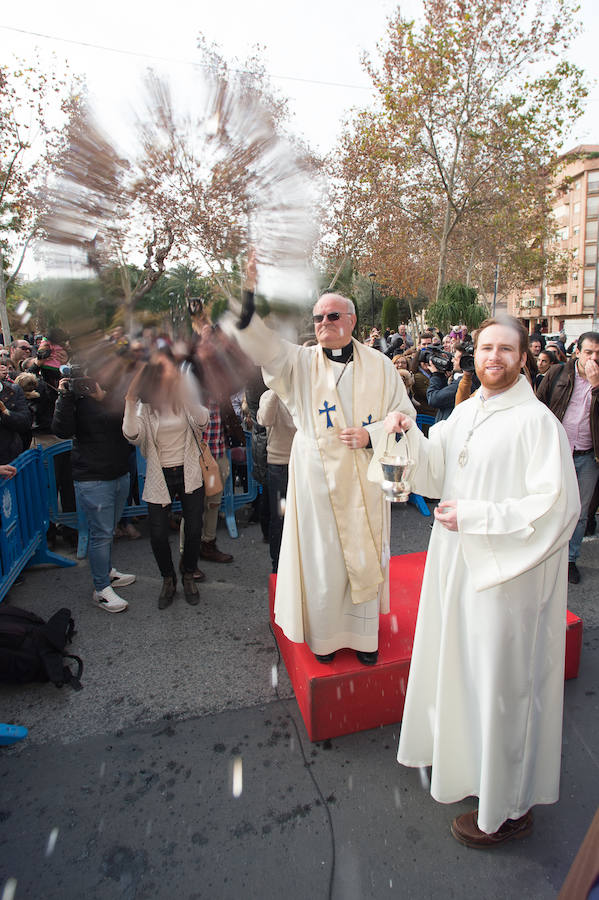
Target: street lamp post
[[372, 276]]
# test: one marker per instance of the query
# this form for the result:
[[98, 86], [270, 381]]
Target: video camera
[[441, 359], [467, 358], [79, 384]]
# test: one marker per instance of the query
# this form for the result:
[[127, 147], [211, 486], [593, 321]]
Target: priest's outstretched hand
[[396, 421]]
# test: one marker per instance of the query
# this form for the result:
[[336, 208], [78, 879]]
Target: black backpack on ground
[[33, 650]]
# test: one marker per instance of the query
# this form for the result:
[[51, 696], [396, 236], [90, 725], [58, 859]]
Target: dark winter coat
[[15, 423], [100, 452]]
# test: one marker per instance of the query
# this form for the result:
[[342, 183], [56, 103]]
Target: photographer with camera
[[93, 417], [52, 353], [419, 367], [447, 372]]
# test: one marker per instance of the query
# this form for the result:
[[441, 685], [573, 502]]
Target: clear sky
[[312, 49]]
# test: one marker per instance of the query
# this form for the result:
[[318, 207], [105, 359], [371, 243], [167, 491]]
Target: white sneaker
[[119, 579], [109, 600]]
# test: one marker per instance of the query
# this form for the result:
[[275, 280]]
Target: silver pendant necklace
[[463, 455]]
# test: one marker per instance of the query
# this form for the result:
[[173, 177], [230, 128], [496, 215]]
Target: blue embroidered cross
[[368, 420], [327, 409]]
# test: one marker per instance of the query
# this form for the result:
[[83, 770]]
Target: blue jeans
[[586, 472], [103, 503]]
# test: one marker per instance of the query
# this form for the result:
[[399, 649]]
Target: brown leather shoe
[[209, 551], [192, 595], [169, 586], [198, 575], [465, 830]]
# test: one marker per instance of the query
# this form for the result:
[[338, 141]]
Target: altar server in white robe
[[485, 691], [333, 576]]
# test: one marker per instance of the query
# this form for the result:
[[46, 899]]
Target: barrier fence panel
[[231, 501], [24, 520]]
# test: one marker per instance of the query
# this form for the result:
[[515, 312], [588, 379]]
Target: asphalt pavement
[[183, 768]]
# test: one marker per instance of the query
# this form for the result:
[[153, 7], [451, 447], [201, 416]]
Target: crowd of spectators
[[174, 394]]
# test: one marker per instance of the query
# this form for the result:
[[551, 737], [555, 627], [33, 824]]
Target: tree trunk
[[443, 247], [3, 310], [413, 323]]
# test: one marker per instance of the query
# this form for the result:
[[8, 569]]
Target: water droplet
[[394, 625], [397, 797], [424, 779], [237, 786], [274, 676], [52, 838], [9, 889]]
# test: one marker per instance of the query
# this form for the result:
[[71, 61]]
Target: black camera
[[440, 359], [467, 358], [79, 384]]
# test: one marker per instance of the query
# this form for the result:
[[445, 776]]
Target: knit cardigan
[[140, 427]]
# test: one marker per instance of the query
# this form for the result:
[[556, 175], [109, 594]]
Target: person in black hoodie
[[93, 417]]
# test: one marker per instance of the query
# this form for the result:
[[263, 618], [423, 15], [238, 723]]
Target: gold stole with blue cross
[[357, 508]]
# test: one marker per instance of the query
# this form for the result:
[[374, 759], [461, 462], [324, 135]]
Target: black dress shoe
[[367, 657], [324, 657], [573, 573]]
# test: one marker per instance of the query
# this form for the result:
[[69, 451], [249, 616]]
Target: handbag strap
[[189, 422]]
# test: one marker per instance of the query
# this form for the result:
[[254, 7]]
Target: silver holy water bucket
[[396, 471]]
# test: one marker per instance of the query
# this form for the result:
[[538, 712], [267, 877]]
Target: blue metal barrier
[[24, 520], [230, 502], [416, 499]]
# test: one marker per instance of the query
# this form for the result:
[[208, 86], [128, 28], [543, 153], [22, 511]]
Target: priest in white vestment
[[485, 691], [333, 575]]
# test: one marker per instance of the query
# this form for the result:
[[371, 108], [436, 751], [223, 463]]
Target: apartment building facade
[[548, 308]]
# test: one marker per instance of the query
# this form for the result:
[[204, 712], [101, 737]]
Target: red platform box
[[573, 644], [344, 696]]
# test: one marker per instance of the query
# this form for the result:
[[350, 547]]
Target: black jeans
[[277, 491], [193, 510]]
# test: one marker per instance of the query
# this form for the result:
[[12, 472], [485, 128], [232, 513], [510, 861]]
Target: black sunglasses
[[330, 317]]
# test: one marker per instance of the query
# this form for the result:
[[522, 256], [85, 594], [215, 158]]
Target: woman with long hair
[[164, 417]]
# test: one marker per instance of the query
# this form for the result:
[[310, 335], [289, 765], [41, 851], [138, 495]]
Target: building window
[[588, 300], [589, 278], [591, 231], [560, 211], [590, 254], [593, 206], [593, 181], [576, 209], [575, 230], [573, 298]]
